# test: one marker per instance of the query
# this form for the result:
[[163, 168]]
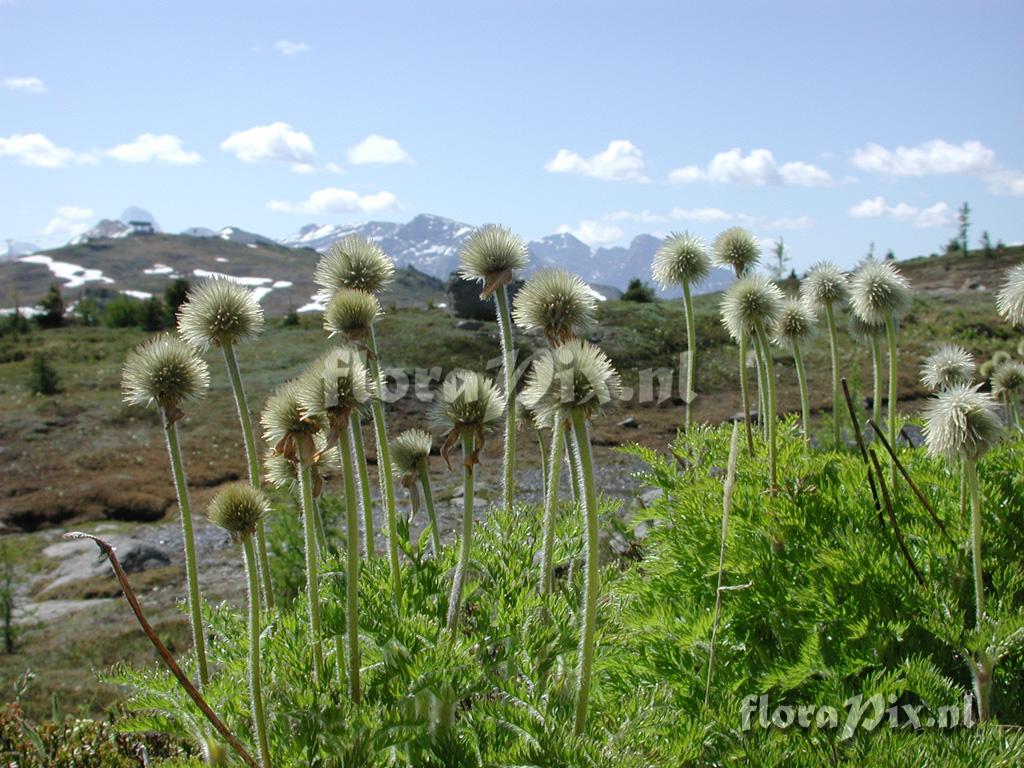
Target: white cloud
[[150, 147], [789, 222], [275, 142], [337, 200], [621, 161], [1006, 182], [593, 232], [36, 150], [334, 168], [69, 222], [700, 214], [289, 48], [377, 149], [758, 168], [937, 215], [932, 157], [303, 168], [24, 84]]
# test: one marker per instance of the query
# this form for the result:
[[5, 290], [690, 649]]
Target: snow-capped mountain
[[236, 235], [125, 225], [13, 249]]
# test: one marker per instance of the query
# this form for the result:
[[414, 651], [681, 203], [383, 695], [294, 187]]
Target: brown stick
[[172, 665], [860, 443], [892, 519]]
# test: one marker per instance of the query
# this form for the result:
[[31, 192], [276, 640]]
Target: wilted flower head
[[219, 311], [1008, 378], [338, 382], [1010, 299], [878, 290], [467, 400], [825, 285], [490, 256], [354, 263], [577, 376], [238, 509], [961, 423], [949, 366], [287, 426], [410, 451], [736, 248], [557, 301], [750, 300], [682, 258], [351, 312], [794, 323], [166, 371], [865, 333]]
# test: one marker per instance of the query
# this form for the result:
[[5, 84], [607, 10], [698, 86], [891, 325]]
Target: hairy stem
[[366, 498], [551, 508], [191, 573], [762, 385], [543, 450], [259, 720], [574, 468], [581, 441], [745, 391], [833, 344], [982, 670], [312, 570], [805, 406], [691, 352], [876, 368], [769, 375], [508, 366], [428, 501], [455, 599], [351, 566], [890, 335]]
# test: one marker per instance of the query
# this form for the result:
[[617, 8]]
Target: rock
[[468, 325], [618, 544], [80, 561], [650, 496], [911, 435], [629, 423], [717, 473]]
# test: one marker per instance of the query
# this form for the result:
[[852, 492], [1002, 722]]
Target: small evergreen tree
[[175, 294], [778, 267], [986, 244], [122, 312], [53, 309], [42, 377], [153, 315], [637, 290], [87, 311], [963, 220]]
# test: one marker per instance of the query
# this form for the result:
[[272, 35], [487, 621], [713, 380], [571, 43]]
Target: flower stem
[[574, 469], [876, 366], [253, 461], [255, 688], [191, 574], [384, 477], [455, 599], [805, 406], [769, 376], [312, 571], [551, 508], [428, 501], [981, 670], [366, 498], [833, 343], [351, 566], [581, 441], [890, 335], [762, 386], [508, 369], [745, 391], [691, 352], [543, 449]]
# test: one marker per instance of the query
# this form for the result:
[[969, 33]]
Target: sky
[[832, 125]]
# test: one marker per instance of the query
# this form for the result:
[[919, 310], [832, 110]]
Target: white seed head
[[410, 451], [219, 311], [492, 250], [736, 248], [948, 366], [558, 302], [794, 323], [467, 400], [351, 312], [961, 423], [1008, 378], [238, 509], [682, 259], [878, 291], [576, 376], [338, 382], [284, 417], [354, 263], [166, 371], [824, 286], [1010, 299], [751, 300]]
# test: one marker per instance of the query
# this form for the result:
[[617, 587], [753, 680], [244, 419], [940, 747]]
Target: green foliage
[[637, 290], [53, 309], [87, 311], [122, 312], [175, 294], [42, 377]]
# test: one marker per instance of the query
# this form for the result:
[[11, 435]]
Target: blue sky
[[830, 124]]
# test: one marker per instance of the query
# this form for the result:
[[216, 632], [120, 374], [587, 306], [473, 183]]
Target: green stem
[[384, 474], [691, 352], [890, 335], [544, 467], [805, 406], [509, 371], [745, 391], [581, 441], [983, 669], [321, 532], [253, 462], [312, 571], [351, 566], [191, 573], [963, 491], [455, 599], [551, 509], [769, 375], [833, 343], [428, 501], [574, 470], [255, 688], [762, 385], [876, 366], [366, 498]]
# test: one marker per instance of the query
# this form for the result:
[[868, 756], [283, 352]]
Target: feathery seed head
[[985, 370], [338, 382], [219, 311], [557, 301], [490, 256], [1008, 378], [961, 423], [682, 258], [166, 371], [410, 450], [576, 376], [1010, 299], [238, 509], [279, 471], [825, 285], [351, 312], [354, 263], [948, 366], [736, 248], [1000, 357], [794, 323], [750, 300], [287, 426], [865, 333], [878, 291], [467, 400]]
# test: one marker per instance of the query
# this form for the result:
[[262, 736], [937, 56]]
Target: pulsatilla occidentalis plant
[[292, 432], [794, 325], [491, 256], [1010, 299], [961, 425], [572, 383], [239, 509], [737, 249], [221, 313], [467, 405], [168, 373], [334, 389], [683, 261], [948, 366], [825, 290], [872, 336], [410, 459], [1008, 383], [879, 294], [750, 306]]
